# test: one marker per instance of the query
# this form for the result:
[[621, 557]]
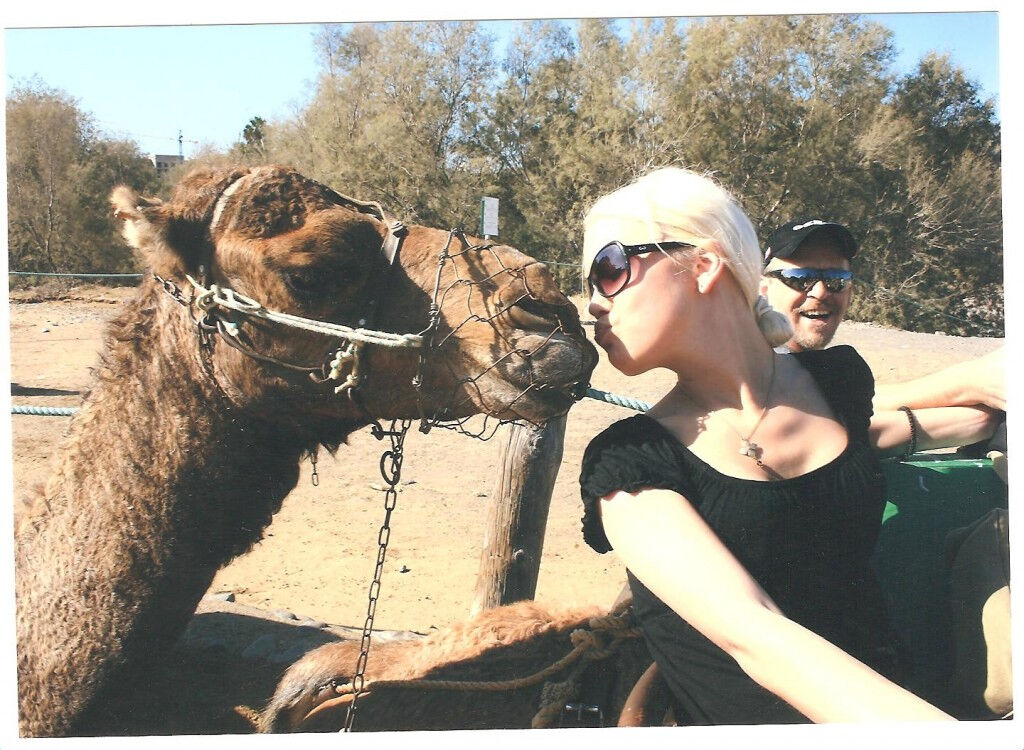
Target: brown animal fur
[[505, 643], [161, 480]]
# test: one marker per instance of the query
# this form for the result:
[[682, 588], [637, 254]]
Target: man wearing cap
[[808, 278]]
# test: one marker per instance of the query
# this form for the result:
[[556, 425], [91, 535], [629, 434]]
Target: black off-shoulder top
[[806, 540]]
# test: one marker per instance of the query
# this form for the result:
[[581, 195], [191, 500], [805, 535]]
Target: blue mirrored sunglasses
[[804, 279]]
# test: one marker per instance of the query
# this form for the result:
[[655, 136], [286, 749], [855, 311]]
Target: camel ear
[[170, 240]]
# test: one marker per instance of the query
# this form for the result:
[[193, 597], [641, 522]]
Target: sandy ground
[[316, 560]]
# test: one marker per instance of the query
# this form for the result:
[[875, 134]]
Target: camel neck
[[155, 428], [156, 489]]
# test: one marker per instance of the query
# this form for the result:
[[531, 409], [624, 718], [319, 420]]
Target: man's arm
[[977, 381], [937, 428]]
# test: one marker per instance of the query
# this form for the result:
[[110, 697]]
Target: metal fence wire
[[466, 390]]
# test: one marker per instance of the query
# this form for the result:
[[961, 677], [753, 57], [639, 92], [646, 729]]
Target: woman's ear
[[708, 266]]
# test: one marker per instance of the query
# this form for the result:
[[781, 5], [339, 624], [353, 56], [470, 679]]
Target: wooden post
[[518, 515]]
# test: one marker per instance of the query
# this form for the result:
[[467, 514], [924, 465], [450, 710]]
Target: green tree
[[772, 105], [59, 175], [253, 146], [934, 248], [532, 115], [798, 115], [564, 123], [45, 136], [393, 118]]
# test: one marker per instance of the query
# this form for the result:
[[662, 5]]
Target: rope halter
[[215, 297], [341, 365]]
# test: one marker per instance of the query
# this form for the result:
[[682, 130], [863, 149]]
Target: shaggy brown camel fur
[[506, 643], [180, 455]]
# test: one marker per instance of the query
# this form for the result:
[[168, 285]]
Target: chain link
[[315, 477], [172, 289], [391, 472]]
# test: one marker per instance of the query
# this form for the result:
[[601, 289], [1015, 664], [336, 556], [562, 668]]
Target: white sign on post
[[489, 217]]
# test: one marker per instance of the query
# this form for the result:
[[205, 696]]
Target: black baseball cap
[[787, 239]]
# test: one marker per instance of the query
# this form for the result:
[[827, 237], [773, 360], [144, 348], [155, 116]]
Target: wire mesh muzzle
[[472, 391]]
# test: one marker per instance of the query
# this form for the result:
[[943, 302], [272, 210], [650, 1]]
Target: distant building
[[163, 162]]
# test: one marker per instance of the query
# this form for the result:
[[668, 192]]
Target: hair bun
[[774, 325]]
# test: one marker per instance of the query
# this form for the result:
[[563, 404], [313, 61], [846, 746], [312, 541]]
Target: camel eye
[[306, 283]]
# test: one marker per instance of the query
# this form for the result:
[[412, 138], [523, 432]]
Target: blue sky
[[147, 82]]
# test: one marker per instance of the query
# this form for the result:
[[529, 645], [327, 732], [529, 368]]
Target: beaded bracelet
[[914, 427]]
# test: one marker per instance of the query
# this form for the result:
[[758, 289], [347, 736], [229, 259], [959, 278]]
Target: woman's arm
[[937, 428], [976, 381], [657, 533]]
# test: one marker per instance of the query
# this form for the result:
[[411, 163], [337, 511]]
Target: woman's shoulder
[[639, 429], [630, 455], [840, 355]]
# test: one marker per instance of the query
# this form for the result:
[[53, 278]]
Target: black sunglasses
[[804, 279], [611, 271]]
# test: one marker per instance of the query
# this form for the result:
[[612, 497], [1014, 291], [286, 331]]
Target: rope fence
[[78, 275], [44, 411], [626, 402], [614, 398], [593, 393]]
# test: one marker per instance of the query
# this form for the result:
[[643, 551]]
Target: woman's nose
[[598, 305]]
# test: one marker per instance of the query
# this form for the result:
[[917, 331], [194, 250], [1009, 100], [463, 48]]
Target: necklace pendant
[[749, 449]]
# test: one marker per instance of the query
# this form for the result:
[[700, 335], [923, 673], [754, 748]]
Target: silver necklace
[[748, 447]]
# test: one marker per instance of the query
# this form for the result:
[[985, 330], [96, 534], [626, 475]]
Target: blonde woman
[[746, 503]]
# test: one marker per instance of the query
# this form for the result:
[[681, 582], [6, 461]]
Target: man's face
[[815, 314]]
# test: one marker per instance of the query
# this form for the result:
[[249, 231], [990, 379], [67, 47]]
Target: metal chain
[[205, 328], [391, 472], [315, 477], [172, 289]]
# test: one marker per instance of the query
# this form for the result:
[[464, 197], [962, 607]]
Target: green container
[[928, 497], [946, 486]]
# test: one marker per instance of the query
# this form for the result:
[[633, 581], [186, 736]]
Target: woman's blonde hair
[[673, 204]]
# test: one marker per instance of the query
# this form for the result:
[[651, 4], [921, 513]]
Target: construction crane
[[180, 139]]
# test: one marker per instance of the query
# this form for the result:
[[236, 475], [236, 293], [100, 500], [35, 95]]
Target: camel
[[185, 447], [500, 645]]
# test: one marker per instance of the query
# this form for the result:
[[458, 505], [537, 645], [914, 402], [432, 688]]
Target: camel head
[[499, 337]]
